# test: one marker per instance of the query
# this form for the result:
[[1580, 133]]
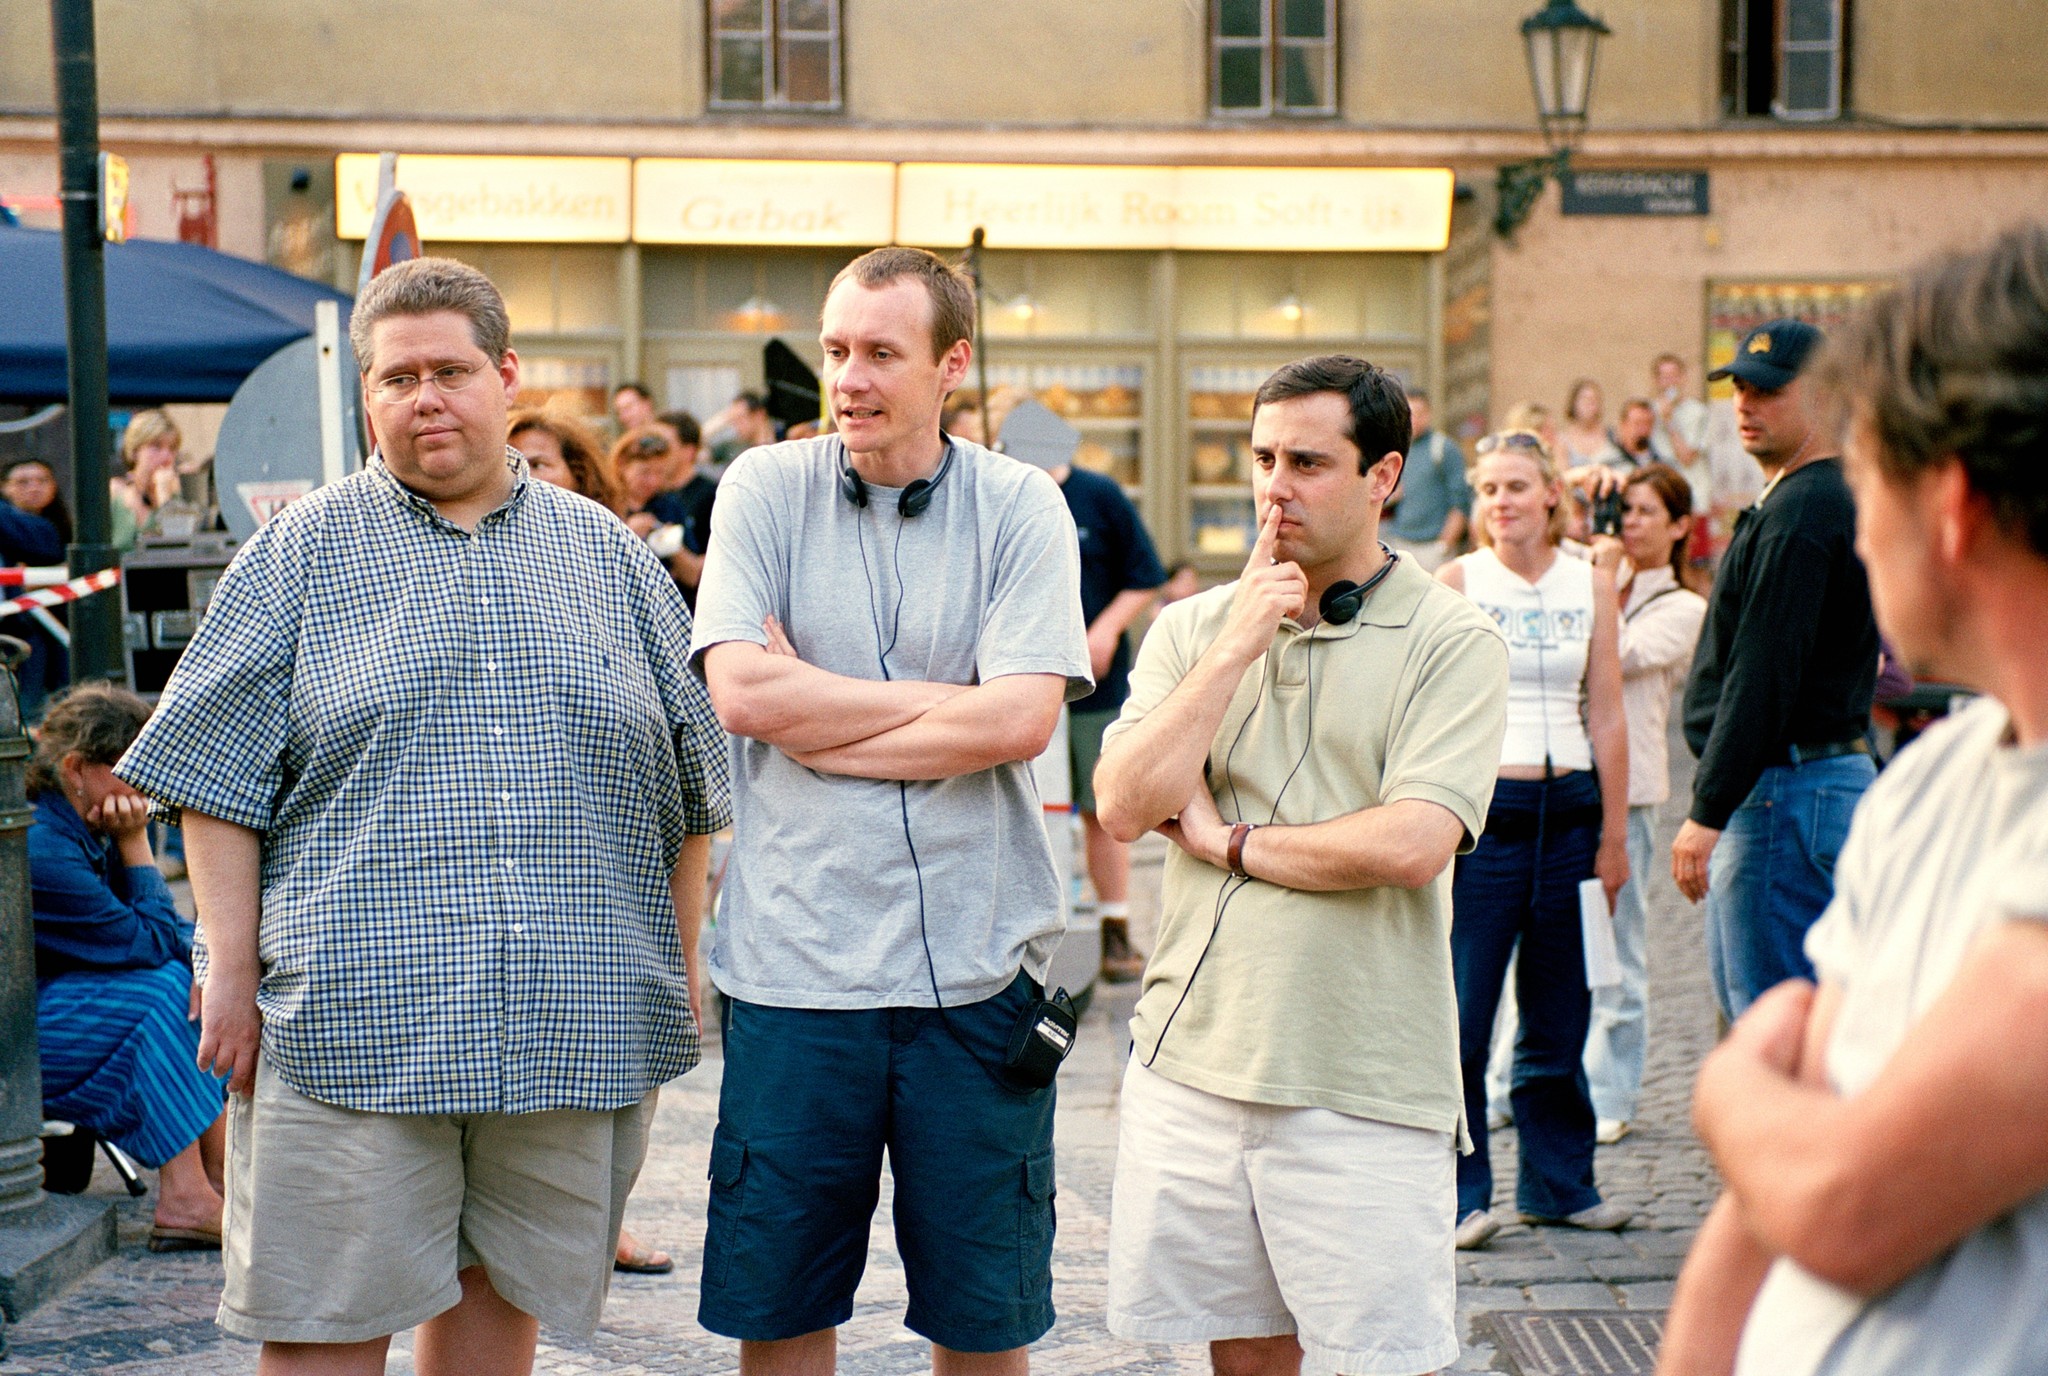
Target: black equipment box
[[165, 586]]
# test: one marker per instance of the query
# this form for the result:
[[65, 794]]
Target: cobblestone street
[[148, 1315]]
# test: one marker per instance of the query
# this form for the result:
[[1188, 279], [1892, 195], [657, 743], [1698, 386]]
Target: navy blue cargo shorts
[[810, 1101]]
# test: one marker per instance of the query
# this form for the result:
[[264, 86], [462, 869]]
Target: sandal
[[636, 1258], [205, 1239]]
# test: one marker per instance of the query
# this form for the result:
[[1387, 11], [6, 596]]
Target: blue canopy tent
[[184, 323]]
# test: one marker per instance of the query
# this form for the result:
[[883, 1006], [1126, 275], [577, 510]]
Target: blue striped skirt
[[119, 1057]]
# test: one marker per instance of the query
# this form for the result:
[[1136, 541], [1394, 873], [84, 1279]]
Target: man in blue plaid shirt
[[447, 783]]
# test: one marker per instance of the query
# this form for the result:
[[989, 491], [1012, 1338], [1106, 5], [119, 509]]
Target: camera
[[1605, 518]]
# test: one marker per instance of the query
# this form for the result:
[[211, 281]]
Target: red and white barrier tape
[[64, 592], [34, 576]]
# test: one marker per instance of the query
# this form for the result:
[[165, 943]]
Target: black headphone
[[913, 500], [1342, 600]]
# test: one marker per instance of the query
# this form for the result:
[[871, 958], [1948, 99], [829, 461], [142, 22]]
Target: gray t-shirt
[[1951, 839], [821, 903]]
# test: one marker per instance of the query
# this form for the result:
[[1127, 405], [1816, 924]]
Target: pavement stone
[[148, 1315]]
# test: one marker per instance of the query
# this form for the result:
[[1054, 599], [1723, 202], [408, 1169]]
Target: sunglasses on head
[[650, 444], [1525, 440]]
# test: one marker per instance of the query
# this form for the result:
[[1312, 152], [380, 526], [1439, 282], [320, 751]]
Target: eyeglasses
[[650, 444], [1526, 440], [401, 387]]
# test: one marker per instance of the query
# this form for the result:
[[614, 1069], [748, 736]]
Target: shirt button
[[511, 864], [491, 666], [504, 797], [519, 929], [497, 730]]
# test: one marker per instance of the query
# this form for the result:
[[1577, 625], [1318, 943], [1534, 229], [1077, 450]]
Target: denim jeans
[[1512, 886], [1614, 1046], [1773, 871]]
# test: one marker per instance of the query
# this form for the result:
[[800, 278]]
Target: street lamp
[[1562, 41]]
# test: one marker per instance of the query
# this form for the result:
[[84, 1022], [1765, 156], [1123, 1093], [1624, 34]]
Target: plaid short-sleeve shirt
[[473, 758]]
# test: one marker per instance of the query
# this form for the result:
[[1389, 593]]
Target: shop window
[[1347, 298], [1784, 59], [1104, 401], [774, 54], [1273, 57], [1066, 295], [737, 291], [549, 288]]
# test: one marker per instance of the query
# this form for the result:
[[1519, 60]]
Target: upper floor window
[[1273, 57], [778, 54], [1784, 59]]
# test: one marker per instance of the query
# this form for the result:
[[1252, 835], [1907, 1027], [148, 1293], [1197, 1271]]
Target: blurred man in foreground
[[1884, 1138]]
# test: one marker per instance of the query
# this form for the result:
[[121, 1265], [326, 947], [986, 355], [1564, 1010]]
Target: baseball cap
[[1772, 354]]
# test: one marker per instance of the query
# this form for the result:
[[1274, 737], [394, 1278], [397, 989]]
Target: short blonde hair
[[144, 429], [1526, 444]]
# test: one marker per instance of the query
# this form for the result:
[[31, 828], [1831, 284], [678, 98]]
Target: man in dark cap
[[1778, 706]]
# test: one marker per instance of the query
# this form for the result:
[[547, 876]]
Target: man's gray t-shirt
[[1951, 839], [821, 902]]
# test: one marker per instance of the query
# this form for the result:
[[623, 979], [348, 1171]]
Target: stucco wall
[[1602, 296]]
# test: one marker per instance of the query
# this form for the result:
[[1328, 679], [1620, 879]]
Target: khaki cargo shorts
[[343, 1226]]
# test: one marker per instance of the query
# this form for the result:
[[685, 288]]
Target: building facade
[[1176, 194]]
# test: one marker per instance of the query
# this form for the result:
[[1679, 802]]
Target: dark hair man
[[633, 404], [889, 623], [1632, 429], [1318, 739], [1884, 1139], [447, 824], [1779, 699]]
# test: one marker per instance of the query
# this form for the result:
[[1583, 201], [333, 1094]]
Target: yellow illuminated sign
[[940, 205], [713, 201], [494, 199], [1293, 209]]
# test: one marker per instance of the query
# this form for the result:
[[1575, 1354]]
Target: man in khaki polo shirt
[[1318, 739]]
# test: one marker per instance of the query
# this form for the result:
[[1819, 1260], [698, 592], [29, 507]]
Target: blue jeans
[[1513, 885], [1773, 871], [1614, 1047]]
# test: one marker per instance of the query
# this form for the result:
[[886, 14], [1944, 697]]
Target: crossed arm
[[1864, 1191], [901, 729], [1151, 778]]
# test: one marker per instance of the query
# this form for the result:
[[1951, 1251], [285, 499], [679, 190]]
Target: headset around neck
[[1342, 600], [912, 500]]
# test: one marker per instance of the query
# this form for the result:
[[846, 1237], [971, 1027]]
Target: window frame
[[772, 36], [1273, 47], [1740, 65]]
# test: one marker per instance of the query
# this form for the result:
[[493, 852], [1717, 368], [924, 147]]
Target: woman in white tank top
[[1559, 817]]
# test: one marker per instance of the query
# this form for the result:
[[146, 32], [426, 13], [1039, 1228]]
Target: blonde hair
[[1526, 444], [144, 429]]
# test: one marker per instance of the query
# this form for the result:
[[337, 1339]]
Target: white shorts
[[1239, 1220]]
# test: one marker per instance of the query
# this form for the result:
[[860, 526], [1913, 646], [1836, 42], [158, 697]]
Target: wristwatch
[[1234, 853]]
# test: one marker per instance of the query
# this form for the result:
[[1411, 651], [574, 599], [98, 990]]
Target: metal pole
[[21, 1083], [95, 621], [988, 436]]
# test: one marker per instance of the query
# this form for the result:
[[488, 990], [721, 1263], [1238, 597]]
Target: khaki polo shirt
[[1334, 1000]]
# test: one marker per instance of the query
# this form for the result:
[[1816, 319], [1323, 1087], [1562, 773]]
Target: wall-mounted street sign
[[1620, 191]]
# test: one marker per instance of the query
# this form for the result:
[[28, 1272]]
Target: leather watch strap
[[1234, 855]]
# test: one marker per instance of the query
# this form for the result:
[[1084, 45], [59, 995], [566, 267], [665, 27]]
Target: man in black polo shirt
[[1779, 700]]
